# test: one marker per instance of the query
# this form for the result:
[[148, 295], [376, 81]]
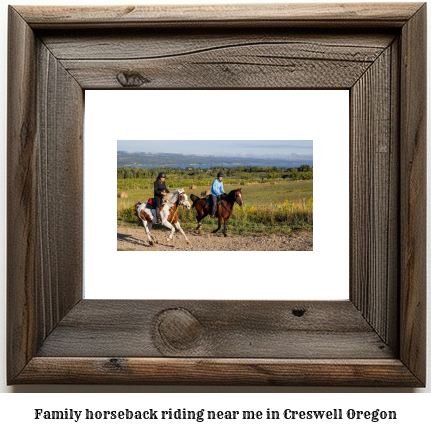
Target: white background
[[16, 409], [321, 116]]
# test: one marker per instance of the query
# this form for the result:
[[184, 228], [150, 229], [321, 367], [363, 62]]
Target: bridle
[[241, 202], [178, 201], [182, 201], [236, 200]]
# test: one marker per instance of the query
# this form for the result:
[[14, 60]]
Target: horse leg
[[150, 226], [219, 225], [168, 225], [200, 215], [150, 238], [199, 227], [178, 227], [224, 229]]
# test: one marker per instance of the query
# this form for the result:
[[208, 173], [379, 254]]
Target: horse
[[168, 214], [224, 208]]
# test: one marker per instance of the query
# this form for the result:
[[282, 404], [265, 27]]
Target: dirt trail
[[136, 239]]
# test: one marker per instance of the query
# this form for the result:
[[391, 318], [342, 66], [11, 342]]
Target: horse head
[[183, 200], [238, 197]]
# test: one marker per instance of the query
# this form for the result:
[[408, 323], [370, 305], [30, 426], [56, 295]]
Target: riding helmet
[[162, 175], [220, 174]]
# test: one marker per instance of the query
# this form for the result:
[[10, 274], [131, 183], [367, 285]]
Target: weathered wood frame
[[376, 338]]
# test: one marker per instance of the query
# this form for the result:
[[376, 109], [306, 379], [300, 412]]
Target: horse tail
[[136, 209], [195, 199]]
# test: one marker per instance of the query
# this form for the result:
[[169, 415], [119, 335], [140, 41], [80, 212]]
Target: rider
[[216, 191], [160, 189]]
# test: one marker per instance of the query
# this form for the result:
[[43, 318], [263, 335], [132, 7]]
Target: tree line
[[246, 173]]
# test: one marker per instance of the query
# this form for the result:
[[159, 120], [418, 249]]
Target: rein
[[174, 213], [177, 202], [225, 207], [222, 204]]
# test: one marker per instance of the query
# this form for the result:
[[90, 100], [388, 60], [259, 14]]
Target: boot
[[213, 211], [159, 219]]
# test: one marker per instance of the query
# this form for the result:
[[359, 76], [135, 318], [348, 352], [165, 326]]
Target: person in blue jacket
[[216, 191]]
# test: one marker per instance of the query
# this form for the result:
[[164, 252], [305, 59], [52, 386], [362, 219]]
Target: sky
[[245, 148]]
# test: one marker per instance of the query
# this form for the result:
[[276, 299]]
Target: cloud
[[277, 146]]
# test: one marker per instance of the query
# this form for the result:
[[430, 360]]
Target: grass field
[[269, 208]]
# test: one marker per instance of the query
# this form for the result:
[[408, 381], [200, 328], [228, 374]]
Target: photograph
[[214, 195]]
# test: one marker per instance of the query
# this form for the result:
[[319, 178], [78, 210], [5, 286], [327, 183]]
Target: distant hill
[[175, 159]]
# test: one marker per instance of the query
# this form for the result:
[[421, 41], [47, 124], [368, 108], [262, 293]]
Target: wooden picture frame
[[376, 338]]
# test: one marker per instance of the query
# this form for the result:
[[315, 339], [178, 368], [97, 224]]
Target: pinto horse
[[168, 214], [224, 210]]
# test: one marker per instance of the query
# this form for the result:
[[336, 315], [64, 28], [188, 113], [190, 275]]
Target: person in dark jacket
[[160, 190]]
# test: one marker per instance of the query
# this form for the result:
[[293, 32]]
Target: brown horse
[[224, 210]]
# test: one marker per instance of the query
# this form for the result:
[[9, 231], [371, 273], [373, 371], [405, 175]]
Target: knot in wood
[[178, 329], [115, 363], [131, 79], [298, 312]]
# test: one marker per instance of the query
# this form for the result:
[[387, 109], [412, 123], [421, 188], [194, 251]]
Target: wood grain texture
[[206, 60], [45, 105], [413, 194], [141, 44], [392, 306], [374, 194], [308, 15], [240, 329], [55, 337], [229, 69], [59, 183], [197, 371], [21, 226]]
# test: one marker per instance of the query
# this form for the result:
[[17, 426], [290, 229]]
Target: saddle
[[151, 204], [219, 199]]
